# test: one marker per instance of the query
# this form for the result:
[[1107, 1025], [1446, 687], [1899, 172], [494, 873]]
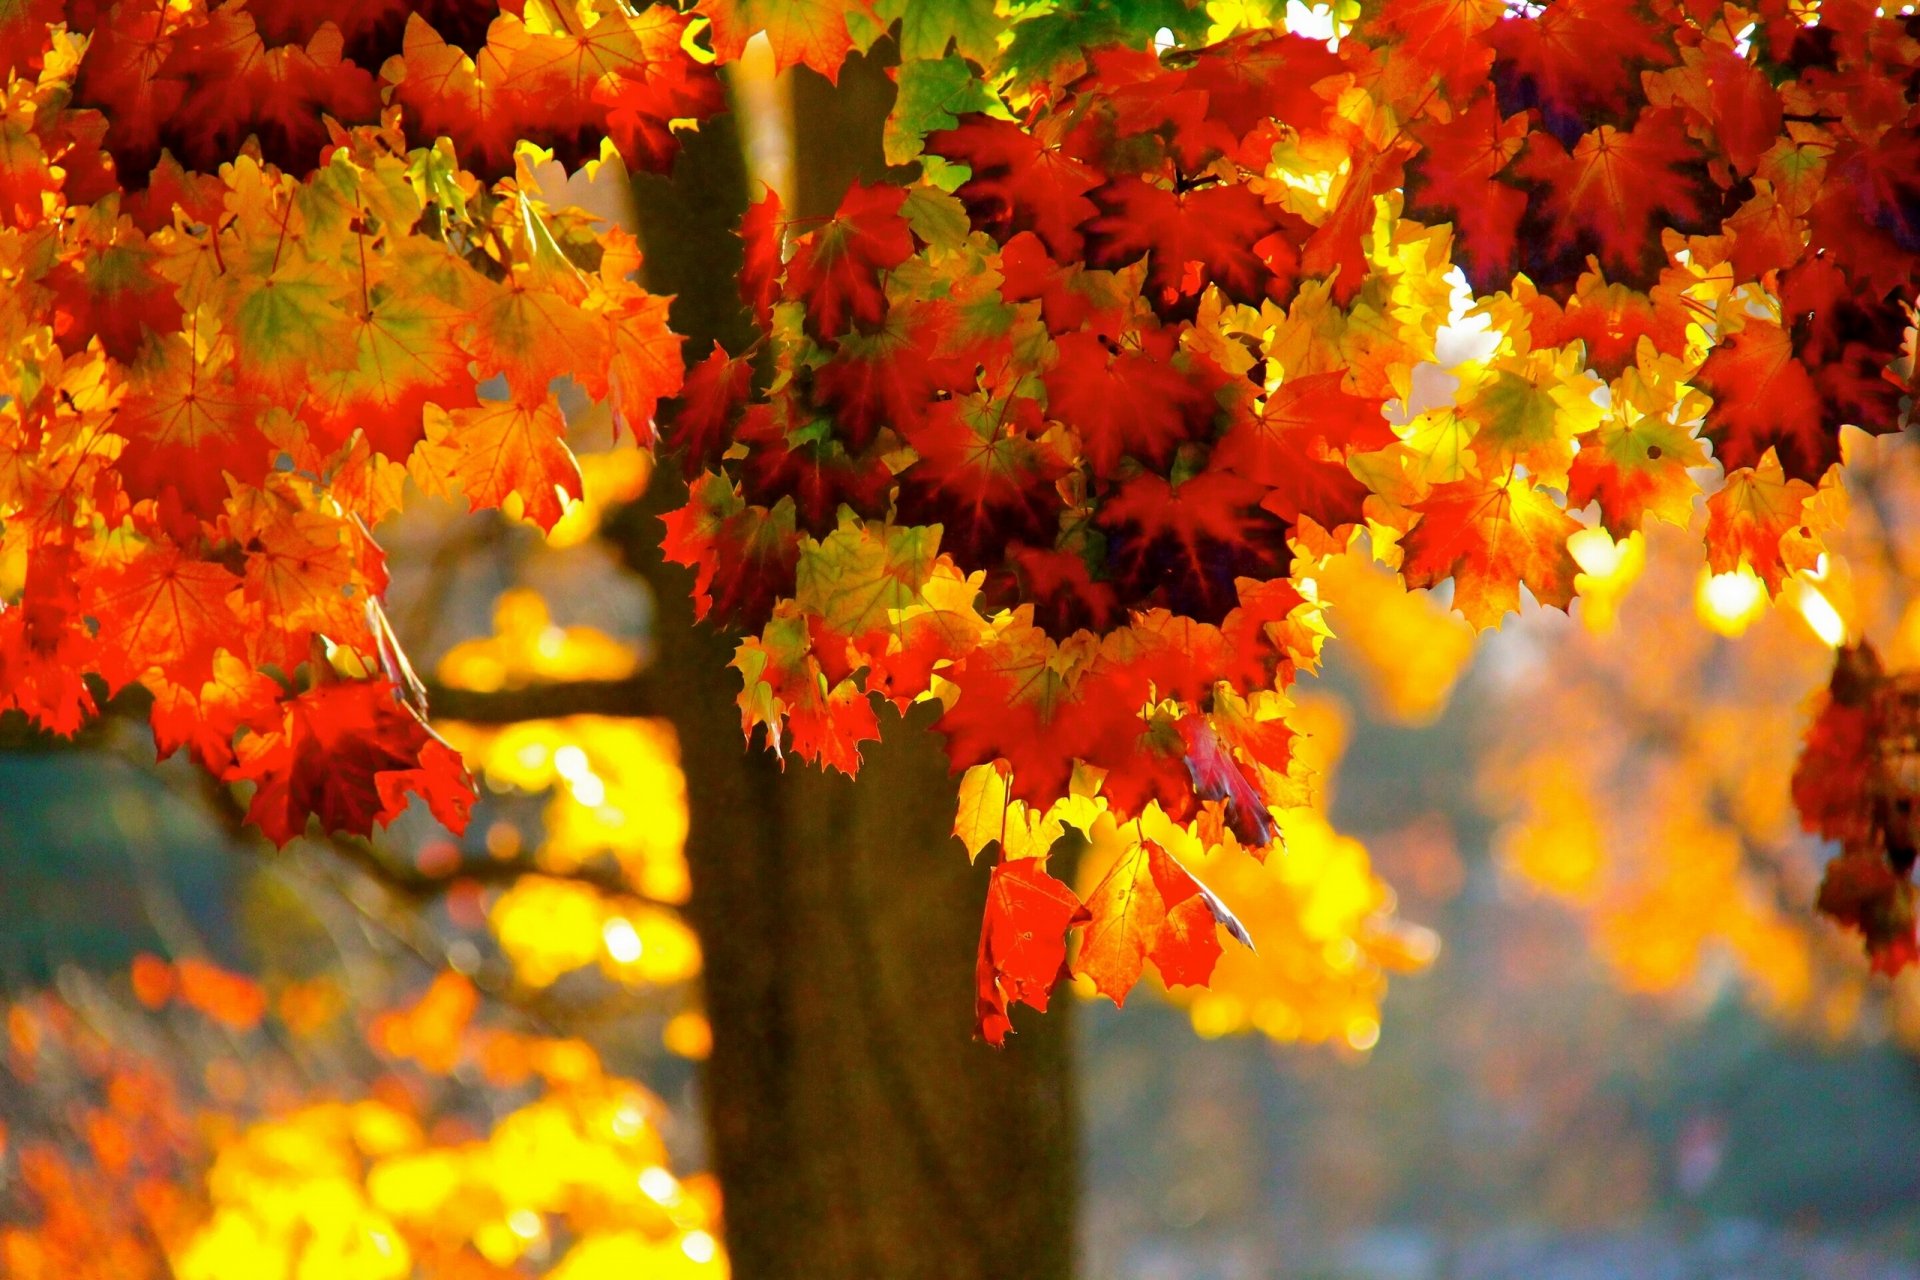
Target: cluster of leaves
[[182, 1139], [1854, 784], [1056, 434], [263, 264]]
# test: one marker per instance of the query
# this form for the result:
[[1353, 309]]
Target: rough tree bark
[[857, 1127]]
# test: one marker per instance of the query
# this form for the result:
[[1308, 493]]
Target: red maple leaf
[[163, 608], [1297, 444], [1022, 180], [1746, 110], [836, 268], [764, 234], [983, 475], [1577, 59], [1455, 178], [1183, 548], [1611, 195], [742, 556], [1218, 776], [1609, 320], [708, 403], [1147, 907], [1492, 537], [1764, 398], [891, 377], [1126, 399], [1023, 944], [349, 753], [1259, 76], [817, 472], [1223, 235]]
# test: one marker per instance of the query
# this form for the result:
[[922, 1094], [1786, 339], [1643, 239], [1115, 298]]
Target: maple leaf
[[742, 555], [1125, 399], [182, 412], [1261, 75], [350, 754], [1868, 209], [1634, 464], [507, 449], [1223, 235], [645, 367], [894, 377], [1859, 890], [110, 290], [1436, 38], [234, 87], [943, 623], [1185, 548], [1147, 907], [835, 269], [306, 572], [1017, 687], [1746, 107], [447, 93], [46, 646], [1492, 538], [785, 689], [1839, 771], [1847, 789], [23, 32], [1575, 60], [1218, 776], [1296, 447], [763, 233], [992, 485], [1023, 947], [1020, 181], [163, 609], [711, 398], [206, 718], [1610, 195], [1767, 520], [859, 578], [811, 467], [802, 32], [1763, 398], [1456, 178], [1609, 320], [396, 358]]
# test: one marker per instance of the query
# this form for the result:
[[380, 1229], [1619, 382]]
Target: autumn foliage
[[1057, 432]]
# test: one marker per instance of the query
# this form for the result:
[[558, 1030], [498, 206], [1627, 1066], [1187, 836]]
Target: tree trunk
[[858, 1128]]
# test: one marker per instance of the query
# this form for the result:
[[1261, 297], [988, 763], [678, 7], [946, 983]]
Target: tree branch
[[636, 695], [409, 881]]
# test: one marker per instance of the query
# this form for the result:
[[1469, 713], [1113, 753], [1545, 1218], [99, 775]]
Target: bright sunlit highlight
[[699, 1247], [588, 789], [1820, 615], [622, 939], [658, 1185], [570, 762], [1595, 551], [1729, 602]]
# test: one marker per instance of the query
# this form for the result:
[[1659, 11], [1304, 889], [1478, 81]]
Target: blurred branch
[[637, 695], [409, 881]]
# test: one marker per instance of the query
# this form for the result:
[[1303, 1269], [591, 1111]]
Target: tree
[[1053, 420]]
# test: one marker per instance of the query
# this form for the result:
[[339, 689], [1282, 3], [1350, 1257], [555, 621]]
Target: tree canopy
[[1164, 308]]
